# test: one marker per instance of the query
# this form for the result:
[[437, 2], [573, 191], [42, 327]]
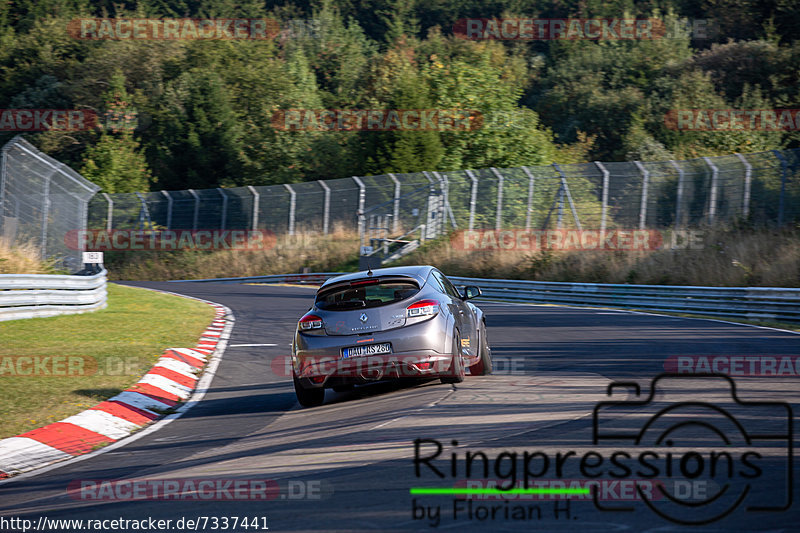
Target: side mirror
[[471, 291]]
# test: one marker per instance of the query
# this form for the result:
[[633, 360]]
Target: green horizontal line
[[448, 491]]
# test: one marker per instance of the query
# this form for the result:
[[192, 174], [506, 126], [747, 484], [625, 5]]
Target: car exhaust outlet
[[372, 375]]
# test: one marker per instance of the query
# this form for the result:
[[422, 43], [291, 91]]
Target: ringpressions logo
[[691, 462]]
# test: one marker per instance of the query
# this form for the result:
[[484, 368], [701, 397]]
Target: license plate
[[367, 349]]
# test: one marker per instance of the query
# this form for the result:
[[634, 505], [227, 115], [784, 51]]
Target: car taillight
[[422, 308], [309, 322]]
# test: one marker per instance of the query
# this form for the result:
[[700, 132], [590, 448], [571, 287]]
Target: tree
[[116, 162], [483, 77], [199, 134], [397, 84]]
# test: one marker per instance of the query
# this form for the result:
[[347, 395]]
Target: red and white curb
[[171, 381]]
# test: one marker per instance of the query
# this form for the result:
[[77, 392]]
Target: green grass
[[123, 341]]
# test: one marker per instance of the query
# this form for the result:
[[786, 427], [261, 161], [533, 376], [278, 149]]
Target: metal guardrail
[[754, 303], [40, 295]]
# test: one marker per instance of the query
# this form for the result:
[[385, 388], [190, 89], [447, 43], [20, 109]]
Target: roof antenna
[[369, 269]]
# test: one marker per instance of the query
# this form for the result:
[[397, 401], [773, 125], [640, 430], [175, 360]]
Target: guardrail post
[[604, 196], [256, 207], [292, 206], [396, 206], [529, 211], [441, 210], [679, 194], [362, 196], [712, 201], [446, 188], [434, 224], [169, 209], [748, 176], [564, 190], [144, 213], [473, 197], [196, 208], [498, 224], [3, 171], [109, 211], [84, 215], [46, 213], [645, 184], [559, 202], [781, 200], [361, 224], [326, 206], [224, 216], [385, 226]]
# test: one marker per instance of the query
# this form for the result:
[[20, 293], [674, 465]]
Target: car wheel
[[308, 397], [457, 371], [484, 365]]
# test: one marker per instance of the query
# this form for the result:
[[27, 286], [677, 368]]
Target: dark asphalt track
[[553, 364]]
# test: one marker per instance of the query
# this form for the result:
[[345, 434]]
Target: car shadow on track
[[379, 388]]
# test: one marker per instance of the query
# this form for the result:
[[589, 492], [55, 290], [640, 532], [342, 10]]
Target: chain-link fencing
[[760, 187], [41, 200]]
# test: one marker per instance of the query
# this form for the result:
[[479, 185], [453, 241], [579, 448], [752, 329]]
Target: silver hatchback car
[[390, 323]]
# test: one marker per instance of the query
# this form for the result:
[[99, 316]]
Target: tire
[[309, 397], [484, 365], [457, 370]]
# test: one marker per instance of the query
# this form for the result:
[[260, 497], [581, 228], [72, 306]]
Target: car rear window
[[362, 294]]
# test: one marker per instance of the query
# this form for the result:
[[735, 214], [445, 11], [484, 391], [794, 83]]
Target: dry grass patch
[[22, 259], [291, 253], [729, 258]]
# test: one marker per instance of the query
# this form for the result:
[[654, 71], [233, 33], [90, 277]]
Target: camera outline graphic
[[635, 438]]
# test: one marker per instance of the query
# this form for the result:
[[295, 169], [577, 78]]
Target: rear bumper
[[361, 370], [419, 351]]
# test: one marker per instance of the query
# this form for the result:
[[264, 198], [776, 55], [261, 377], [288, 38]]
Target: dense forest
[[197, 113]]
